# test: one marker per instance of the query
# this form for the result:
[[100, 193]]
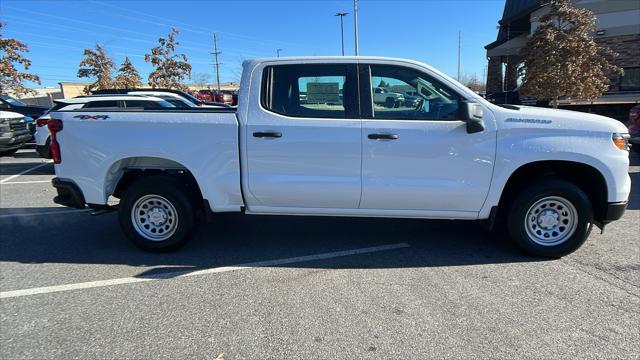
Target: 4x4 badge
[[92, 117]]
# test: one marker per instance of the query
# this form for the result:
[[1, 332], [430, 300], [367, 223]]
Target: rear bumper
[[69, 194], [614, 211]]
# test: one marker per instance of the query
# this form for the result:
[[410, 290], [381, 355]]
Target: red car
[[222, 96]]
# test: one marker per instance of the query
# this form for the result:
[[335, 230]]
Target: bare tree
[[128, 77], [99, 66], [472, 82], [200, 79], [11, 54], [171, 69], [562, 58]]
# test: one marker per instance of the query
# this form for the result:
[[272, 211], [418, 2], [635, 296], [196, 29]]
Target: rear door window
[[311, 91]]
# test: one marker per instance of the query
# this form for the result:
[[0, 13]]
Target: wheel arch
[[126, 171], [585, 176]]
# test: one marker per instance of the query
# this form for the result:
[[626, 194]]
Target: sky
[[424, 30]]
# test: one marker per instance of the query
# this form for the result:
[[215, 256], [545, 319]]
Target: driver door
[[418, 156]]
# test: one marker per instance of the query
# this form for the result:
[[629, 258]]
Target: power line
[[197, 28]]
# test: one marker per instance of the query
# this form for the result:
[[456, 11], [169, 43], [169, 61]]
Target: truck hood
[[536, 117]]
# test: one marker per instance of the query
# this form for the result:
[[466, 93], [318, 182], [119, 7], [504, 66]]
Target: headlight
[[621, 141]]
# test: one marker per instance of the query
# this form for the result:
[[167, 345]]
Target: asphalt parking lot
[[256, 287]]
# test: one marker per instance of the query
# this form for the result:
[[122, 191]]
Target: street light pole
[[342, 15], [278, 52], [355, 25]]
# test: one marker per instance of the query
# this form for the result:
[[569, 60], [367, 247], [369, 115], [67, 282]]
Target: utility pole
[[355, 25], [342, 15], [215, 53], [278, 52], [459, 42]]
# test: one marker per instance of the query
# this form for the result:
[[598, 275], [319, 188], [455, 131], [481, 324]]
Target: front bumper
[[13, 141], [69, 194]]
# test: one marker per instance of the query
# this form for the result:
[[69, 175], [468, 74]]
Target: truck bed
[[97, 147]]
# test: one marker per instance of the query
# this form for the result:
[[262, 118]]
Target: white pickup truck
[[307, 139]]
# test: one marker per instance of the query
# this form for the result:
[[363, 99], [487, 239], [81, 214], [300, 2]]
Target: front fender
[[517, 148]]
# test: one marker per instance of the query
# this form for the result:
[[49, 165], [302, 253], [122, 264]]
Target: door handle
[[267, 134], [383, 136]]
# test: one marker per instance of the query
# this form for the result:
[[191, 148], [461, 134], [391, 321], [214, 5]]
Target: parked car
[[7, 103], [166, 92], [43, 136], [204, 95], [222, 96], [411, 99], [177, 100], [13, 132], [547, 175], [387, 98]]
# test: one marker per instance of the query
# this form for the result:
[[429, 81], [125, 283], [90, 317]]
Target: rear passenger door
[[303, 141]]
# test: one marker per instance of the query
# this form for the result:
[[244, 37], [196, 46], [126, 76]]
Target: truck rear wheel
[[550, 218], [156, 215]]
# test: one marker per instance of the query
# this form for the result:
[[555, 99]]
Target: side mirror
[[472, 114]]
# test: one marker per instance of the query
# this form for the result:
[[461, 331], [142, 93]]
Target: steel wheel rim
[[154, 217], [551, 221]]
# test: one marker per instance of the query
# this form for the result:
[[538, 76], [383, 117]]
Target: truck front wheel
[[550, 218], [156, 215]]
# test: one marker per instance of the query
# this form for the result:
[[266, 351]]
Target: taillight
[[55, 126], [40, 122]]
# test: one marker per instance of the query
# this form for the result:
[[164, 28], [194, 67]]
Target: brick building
[[618, 24]]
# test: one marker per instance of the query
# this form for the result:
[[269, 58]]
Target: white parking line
[[27, 182], [42, 213], [24, 172], [180, 274]]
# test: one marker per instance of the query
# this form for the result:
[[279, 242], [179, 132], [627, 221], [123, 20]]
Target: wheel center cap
[[548, 219], [157, 216]]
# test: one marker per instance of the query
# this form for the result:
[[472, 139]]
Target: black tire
[[168, 197], [389, 102], [540, 193], [8, 152]]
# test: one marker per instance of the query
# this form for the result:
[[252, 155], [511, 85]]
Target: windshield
[[181, 103], [12, 101]]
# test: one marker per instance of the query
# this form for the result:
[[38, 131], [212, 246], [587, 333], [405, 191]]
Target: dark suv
[[7, 103], [13, 132]]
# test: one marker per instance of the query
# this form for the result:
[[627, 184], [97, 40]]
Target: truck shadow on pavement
[[17, 168], [634, 197], [235, 239]]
